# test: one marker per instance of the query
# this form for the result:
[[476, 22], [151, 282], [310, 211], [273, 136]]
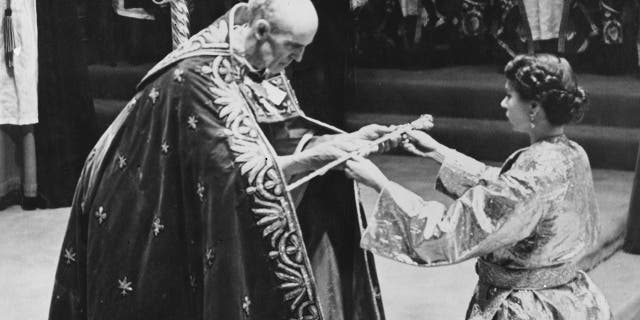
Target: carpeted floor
[[30, 244]]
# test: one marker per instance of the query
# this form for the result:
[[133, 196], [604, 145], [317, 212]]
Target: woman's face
[[518, 110]]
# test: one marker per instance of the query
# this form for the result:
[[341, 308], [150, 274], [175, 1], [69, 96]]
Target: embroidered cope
[[181, 211]]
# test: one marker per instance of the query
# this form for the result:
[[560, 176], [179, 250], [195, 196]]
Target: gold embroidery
[[272, 206]]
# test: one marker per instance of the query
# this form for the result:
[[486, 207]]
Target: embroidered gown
[[528, 223], [181, 211]]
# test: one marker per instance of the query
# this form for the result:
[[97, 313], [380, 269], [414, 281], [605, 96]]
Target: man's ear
[[263, 28]]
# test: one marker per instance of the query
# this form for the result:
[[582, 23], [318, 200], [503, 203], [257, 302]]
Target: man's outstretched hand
[[375, 131]]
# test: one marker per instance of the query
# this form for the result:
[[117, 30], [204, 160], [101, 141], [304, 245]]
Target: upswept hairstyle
[[551, 81]]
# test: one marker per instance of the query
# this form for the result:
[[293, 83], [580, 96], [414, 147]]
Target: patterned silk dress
[[528, 223]]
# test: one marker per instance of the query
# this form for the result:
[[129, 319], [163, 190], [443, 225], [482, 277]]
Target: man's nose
[[297, 56]]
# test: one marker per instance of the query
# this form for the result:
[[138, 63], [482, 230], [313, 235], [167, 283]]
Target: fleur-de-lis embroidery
[[69, 255], [246, 305], [200, 191], [125, 286], [192, 122], [153, 94], [177, 75], [101, 215], [122, 161], [210, 256], [164, 147], [157, 226]]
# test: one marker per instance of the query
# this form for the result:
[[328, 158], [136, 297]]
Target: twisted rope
[[179, 22]]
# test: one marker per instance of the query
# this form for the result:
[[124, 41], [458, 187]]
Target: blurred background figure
[[18, 104]]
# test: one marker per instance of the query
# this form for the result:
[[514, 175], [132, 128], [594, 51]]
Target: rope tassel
[[9, 39]]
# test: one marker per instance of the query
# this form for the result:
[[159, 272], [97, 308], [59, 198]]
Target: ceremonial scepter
[[424, 122]]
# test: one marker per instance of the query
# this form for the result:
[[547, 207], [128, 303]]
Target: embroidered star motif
[[200, 191], [153, 94], [101, 215], [157, 226], [246, 304], [122, 161], [125, 286], [69, 255], [164, 147], [177, 75], [193, 122]]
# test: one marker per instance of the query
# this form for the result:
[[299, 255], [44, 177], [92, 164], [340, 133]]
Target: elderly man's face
[[281, 47]]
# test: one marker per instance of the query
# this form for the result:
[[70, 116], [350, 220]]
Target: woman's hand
[[422, 144], [423, 141], [365, 172]]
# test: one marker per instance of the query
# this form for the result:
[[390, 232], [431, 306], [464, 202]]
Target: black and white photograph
[[320, 159]]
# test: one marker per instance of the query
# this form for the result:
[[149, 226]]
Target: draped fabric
[[536, 213], [181, 211], [528, 27], [65, 131], [632, 239], [617, 51], [19, 85]]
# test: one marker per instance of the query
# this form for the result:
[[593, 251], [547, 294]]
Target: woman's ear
[[535, 108], [263, 28]]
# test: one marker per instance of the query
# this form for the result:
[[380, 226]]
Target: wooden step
[[476, 92]]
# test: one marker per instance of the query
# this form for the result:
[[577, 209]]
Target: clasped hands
[[417, 142]]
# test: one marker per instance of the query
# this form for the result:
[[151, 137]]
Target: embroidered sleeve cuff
[[303, 142]]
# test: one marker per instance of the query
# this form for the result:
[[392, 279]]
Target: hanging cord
[[9, 38]]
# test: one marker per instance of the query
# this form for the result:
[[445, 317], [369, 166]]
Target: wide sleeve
[[460, 172], [489, 215]]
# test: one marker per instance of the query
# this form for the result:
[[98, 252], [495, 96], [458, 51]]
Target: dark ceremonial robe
[[181, 211], [531, 26]]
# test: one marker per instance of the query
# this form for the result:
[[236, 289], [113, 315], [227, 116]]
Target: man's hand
[[321, 154], [375, 131], [372, 132]]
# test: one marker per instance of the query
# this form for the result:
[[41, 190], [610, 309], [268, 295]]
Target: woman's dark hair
[[551, 81]]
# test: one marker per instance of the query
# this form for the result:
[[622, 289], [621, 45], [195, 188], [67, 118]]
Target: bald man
[[182, 209]]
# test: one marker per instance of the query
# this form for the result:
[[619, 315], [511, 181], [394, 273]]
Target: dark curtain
[[65, 132], [323, 79]]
